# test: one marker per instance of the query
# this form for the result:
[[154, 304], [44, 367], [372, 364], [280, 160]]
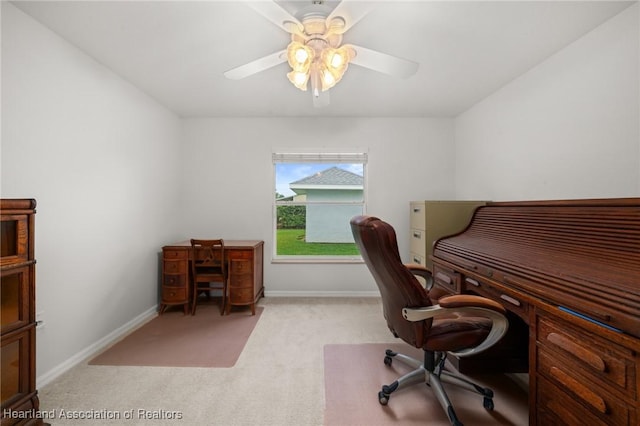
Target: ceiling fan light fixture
[[299, 56], [299, 79], [328, 80], [338, 59]]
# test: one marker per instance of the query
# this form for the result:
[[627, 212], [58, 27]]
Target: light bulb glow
[[336, 60], [301, 56], [328, 79]]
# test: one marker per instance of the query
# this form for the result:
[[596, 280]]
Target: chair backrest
[[207, 257], [398, 287]]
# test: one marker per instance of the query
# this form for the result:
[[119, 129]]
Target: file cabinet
[[433, 219]]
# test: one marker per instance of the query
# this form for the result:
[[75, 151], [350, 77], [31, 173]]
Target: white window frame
[[283, 156]]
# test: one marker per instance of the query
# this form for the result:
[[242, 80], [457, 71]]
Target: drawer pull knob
[[417, 260], [417, 235], [580, 390], [472, 282], [444, 278], [416, 210], [514, 302], [578, 351]]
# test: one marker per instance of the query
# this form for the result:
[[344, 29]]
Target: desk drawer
[[175, 266], [509, 299], [237, 281], [555, 407], [174, 294], [447, 279], [589, 356], [175, 254], [243, 295], [240, 267], [174, 280], [574, 393]]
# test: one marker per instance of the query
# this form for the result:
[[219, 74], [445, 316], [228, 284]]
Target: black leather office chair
[[426, 317], [208, 271]]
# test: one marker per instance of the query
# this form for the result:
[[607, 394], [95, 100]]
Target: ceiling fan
[[316, 54]]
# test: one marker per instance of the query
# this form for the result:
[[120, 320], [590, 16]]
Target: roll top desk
[[570, 272]]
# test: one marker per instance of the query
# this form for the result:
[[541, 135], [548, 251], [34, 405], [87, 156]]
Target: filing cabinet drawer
[[588, 356], [446, 279], [418, 242], [174, 294], [418, 259], [417, 215]]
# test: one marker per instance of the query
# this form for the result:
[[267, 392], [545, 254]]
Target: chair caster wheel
[[383, 398], [388, 360], [487, 403]]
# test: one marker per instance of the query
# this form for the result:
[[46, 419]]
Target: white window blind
[[314, 157]]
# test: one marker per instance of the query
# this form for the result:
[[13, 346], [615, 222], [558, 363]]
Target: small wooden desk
[[245, 260]]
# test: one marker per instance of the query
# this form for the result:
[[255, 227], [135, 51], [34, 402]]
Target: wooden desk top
[[228, 244]]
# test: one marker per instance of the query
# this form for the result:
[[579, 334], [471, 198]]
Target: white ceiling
[[177, 51]]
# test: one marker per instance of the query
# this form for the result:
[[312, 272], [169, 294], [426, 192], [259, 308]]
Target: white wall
[[569, 128], [409, 158], [101, 159], [117, 176]]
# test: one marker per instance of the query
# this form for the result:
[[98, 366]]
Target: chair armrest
[[421, 271], [468, 305]]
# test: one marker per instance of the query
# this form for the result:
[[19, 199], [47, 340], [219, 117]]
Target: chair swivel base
[[433, 377]]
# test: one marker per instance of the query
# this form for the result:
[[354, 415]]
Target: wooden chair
[[208, 270]]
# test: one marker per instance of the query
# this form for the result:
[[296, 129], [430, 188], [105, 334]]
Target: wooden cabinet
[[430, 220], [245, 266], [19, 396]]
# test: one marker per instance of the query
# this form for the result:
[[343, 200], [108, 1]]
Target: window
[[316, 195]]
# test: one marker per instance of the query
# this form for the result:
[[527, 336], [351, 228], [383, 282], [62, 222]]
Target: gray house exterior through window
[[327, 222]]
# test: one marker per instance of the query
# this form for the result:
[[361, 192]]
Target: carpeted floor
[[355, 373], [278, 380], [206, 339]]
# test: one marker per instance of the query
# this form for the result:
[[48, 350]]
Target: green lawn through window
[[291, 243]]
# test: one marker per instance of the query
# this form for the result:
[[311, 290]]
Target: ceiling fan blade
[[276, 14], [351, 12], [256, 66], [381, 62], [321, 99]]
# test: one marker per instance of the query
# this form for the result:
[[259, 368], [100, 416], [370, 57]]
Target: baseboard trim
[[276, 293], [96, 347]]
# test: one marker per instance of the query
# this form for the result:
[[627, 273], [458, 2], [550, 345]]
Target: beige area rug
[[355, 373], [206, 339]]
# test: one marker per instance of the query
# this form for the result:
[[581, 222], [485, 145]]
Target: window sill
[[316, 260]]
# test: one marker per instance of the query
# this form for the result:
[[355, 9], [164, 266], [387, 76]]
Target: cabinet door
[[14, 239], [17, 356], [14, 298]]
